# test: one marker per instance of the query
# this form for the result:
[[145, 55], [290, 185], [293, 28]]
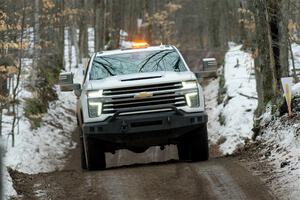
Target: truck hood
[[139, 79]]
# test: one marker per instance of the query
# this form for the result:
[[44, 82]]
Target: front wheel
[[194, 146], [94, 155]]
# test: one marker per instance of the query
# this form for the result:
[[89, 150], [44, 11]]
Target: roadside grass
[[34, 109], [43, 90]]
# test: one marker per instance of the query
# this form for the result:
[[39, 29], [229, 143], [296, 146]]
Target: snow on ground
[[237, 110], [281, 138], [296, 53], [213, 110], [43, 149], [296, 89], [9, 191]]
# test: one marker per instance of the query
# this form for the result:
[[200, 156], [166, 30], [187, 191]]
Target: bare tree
[[99, 13], [268, 55], [16, 88], [83, 34]]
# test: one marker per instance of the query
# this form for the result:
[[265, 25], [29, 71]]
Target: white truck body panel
[[114, 82]]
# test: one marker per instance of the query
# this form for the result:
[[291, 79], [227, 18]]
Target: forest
[[39, 39], [38, 30]]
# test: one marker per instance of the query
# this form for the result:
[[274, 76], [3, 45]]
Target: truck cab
[[136, 98]]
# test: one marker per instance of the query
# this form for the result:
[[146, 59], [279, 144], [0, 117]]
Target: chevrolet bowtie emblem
[[143, 95]]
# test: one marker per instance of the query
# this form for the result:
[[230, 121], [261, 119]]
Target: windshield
[[137, 62]]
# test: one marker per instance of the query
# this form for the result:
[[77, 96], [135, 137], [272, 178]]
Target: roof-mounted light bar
[[139, 45]]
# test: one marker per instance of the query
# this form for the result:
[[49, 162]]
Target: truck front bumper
[[144, 130]]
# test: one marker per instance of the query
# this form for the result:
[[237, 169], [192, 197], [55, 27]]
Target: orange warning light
[[138, 45]]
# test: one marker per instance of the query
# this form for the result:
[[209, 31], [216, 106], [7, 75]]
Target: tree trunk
[[267, 62], [284, 40], [116, 21], [0, 122], [69, 49], [99, 24], [74, 41], [214, 24], [274, 19], [36, 42], [83, 34], [15, 88], [243, 33], [60, 42]]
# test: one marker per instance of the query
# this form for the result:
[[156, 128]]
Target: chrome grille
[[123, 98]]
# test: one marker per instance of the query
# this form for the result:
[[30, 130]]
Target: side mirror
[[77, 89], [209, 64], [66, 81]]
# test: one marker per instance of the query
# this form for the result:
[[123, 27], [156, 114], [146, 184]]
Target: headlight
[[192, 99], [189, 84], [95, 107], [94, 93]]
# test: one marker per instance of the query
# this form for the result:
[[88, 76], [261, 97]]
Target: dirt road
[[161, 178]]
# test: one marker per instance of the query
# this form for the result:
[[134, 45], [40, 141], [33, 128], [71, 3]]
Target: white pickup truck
[[136, 98]]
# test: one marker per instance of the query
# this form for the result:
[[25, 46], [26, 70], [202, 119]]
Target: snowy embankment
[[43, 149], [280, 137], [279, 142], [230, 123]]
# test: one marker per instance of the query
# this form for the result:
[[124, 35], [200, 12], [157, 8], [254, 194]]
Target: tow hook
[[124, 127]]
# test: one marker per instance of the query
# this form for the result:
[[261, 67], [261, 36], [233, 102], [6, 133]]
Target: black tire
[[82, 154], [95, 156], [194, 146]]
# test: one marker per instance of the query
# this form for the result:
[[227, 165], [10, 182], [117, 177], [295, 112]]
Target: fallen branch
[[249, 97]]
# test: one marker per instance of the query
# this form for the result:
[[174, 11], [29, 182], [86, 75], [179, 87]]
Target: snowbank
[[237, 110], [43, 149], [296, 89], [213, 110], [281, 138], [296, 54], [8, 189]]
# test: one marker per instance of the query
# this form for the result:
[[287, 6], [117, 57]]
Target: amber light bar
[[137, 45]]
